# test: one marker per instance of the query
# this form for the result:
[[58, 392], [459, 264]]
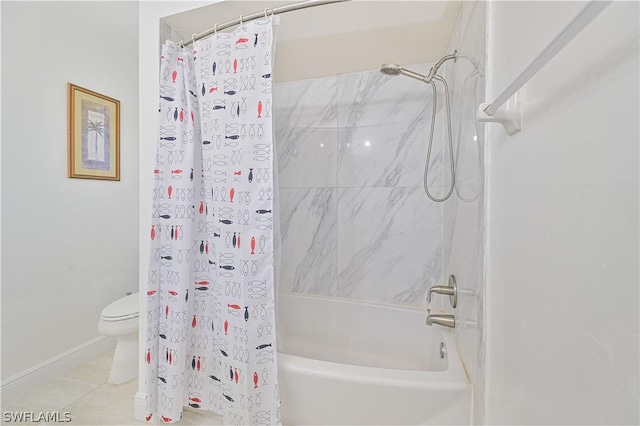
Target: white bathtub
[[343, 362]]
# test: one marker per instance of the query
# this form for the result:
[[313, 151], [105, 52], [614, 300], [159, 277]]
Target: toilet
[[120, 320]]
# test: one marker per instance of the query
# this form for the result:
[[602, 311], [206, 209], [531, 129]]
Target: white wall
[[70, 246], [562, 283], [463, 216]]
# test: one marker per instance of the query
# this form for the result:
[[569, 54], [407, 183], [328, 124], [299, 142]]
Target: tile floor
[[90, 400]]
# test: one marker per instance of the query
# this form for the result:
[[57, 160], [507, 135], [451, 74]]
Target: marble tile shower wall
[[355, 221]]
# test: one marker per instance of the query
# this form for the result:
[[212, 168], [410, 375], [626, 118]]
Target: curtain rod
[[257, 15]]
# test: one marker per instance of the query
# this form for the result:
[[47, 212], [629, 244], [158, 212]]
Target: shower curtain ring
[[241, 23], [193, 38], [215, 29], [266, 9]]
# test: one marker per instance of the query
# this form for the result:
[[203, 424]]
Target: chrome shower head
[[395, 69]]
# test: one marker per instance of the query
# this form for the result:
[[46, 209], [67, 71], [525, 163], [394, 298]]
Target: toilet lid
[[125, 307]]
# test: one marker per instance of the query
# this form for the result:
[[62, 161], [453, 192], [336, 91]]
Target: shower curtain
[[211, 338]]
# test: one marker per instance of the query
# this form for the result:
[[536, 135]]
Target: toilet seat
[[122, 309], [120, 318]]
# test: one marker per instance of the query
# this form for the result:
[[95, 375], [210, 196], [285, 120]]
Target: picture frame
[[93, 135]]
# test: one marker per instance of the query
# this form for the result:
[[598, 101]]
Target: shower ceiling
[[349, 17]]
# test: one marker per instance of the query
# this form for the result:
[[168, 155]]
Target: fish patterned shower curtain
[[211, 338]]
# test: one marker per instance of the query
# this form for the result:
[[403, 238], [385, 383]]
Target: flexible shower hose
[[433, 123]]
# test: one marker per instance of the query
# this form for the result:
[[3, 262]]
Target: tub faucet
[[441, 319]]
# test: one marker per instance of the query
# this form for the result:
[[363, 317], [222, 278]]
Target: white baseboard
[[16, 386]]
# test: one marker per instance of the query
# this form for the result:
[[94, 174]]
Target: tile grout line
[[97, 387], [79, 398]]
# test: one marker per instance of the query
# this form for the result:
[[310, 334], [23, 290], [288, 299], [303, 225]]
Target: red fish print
[[149, 417], [233, 306], [151, 292], [238, 240], [174, 75], [236, 376], [235, 65], [201, 210], [253, 245], [166, 311], [226, 327], [166, 419], [148, 356], [181, 114], [193, 322], [242, 40], [259, 109], [255, 380], [170, 191], [198, 364], [193, 118], [153, 232], [231, 194], [173, 293], [175, 236]]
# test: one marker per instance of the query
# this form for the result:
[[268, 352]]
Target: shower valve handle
[[450, 290]]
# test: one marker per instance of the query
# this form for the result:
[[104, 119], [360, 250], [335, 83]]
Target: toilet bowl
[[120, 320]]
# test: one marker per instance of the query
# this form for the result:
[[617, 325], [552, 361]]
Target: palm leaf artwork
[[98, 128]]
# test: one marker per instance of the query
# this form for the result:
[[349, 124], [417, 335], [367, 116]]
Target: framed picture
[[94, 135]]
